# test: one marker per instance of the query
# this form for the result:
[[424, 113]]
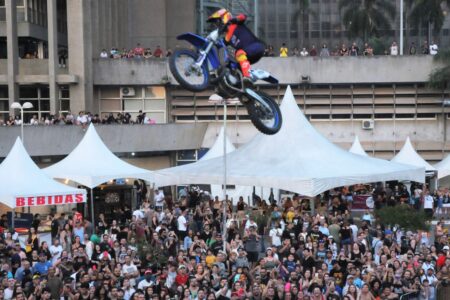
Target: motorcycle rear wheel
[[265, 117]]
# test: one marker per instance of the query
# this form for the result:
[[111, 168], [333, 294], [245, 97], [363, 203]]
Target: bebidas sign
[[49, 200]]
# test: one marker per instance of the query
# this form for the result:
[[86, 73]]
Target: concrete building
[[286, 21], [381, 99]]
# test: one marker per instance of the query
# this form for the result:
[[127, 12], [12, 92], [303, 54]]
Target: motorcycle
[[211, 64]]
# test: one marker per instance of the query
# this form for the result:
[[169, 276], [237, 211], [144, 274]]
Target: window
[[151, 100]]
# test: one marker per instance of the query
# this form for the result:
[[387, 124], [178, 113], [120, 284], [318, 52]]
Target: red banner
[[359, 202], [50, 200]]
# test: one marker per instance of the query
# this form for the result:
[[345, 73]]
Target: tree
[[404, 216], [300, 16], [365, 18], [428, 13], [440, 78]]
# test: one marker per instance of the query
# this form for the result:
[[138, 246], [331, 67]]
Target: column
[[79, 33], [12, 51], [53, 56]]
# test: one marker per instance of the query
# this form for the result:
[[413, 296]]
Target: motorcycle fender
[[194, 39], [200, 42]]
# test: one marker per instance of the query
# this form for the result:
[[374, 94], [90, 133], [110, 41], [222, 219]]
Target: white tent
[[357, 148], [23, 184], [91, 163], [409, 156], [296, 159], [443, 167], [233, 193]]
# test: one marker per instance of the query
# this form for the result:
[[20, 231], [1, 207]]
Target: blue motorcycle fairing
[[201, 43]]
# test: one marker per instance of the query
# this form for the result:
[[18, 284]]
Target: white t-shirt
[[275, 234], [428, 202], [433, 49], [138, 214], [129, 269], [159, 199], [182, 223], [55, 251], [394, 50]]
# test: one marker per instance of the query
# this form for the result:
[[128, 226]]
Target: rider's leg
[[241, 57]]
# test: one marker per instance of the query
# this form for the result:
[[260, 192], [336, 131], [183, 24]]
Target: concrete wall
[[150, 163], [350, 69], [377, 69], [61, 140], [129, 71]]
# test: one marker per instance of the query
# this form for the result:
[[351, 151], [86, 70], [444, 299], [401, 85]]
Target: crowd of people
[[83, 118], [175, 249], [137, 52], [353, 50]]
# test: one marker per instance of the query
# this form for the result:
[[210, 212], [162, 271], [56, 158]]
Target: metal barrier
[[409, 296]]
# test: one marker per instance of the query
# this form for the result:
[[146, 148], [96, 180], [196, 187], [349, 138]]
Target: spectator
[[104, 54], [138, 51], [284, 51], [148, 53], [354, 50], [304, 52], [433, 48], [412, 49], [343, 51], [394, 49], [368, 50], [158, 53], [62, 57], [313, 51], [324, 51], [295, 52], [425, 48]]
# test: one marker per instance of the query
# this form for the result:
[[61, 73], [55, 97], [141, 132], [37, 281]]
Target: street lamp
[[17, 105]]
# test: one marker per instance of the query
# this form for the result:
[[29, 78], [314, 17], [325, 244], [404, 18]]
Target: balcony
[[61, 140]]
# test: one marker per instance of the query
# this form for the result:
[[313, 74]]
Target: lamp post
[[17, 105]]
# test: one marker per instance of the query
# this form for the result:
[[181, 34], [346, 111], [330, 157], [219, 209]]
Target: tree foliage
[[404, 216], [365, 18], [440, 78], [427, 13]]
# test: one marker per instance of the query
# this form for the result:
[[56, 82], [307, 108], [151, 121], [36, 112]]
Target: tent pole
[[224, 237], [13, 214], [92, 207]]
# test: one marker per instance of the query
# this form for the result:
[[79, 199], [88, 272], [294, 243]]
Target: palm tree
[[366, 17], [300, 17], [429, 13], [440, 78]]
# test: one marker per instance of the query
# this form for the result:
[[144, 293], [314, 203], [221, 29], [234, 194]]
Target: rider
[[249, 49]]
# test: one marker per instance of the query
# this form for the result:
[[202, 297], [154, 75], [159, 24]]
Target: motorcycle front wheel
[[264, 112], [182, 64]]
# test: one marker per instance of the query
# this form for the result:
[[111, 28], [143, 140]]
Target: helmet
[[222, 15]]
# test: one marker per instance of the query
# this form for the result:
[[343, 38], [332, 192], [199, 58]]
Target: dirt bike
[[211, 64]]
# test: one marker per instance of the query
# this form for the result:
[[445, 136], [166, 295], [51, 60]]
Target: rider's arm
[[239, 19]]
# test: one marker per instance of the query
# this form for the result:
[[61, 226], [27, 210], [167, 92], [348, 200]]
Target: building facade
[[320, 22], [381, 99]]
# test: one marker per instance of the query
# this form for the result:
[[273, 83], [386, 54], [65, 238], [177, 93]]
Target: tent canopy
[[356, 147], [443, 167], [23, 184], [409, 156], [296, 159], [92, 163], [238, 190], [217, 149]]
